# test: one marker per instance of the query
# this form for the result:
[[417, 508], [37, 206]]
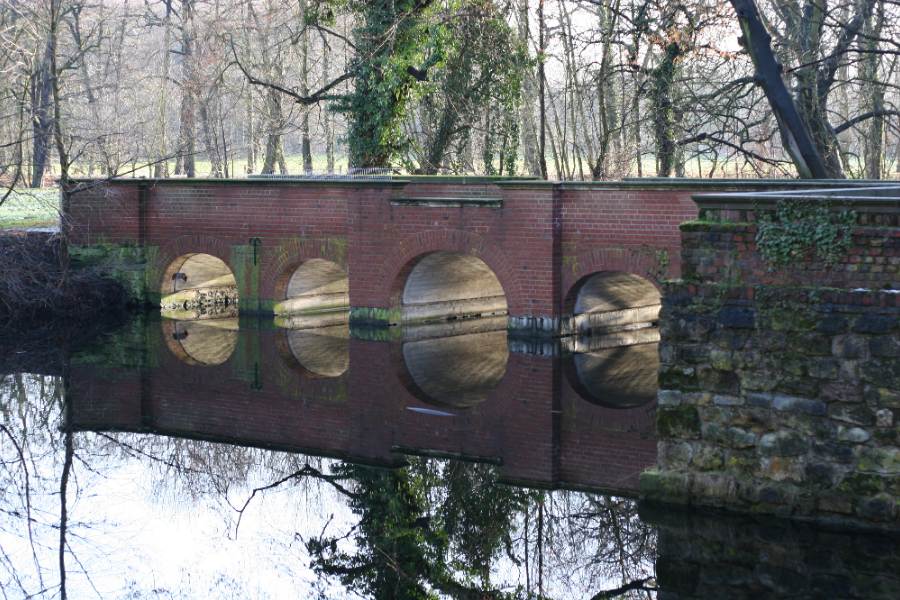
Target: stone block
[[885, 346], [783, 443], [678, 422], [674, 455], [786, 403], [678, 378], [820, 474], [718, 381], [737, 437], [882, 373], [856, 414], [668, 398], [707, 458], [726, 400], [877, 324], [832, 324], [823, 368], [735, 317], [884, 418], [854, 435], [758, 381], [836, 503], [879, 460], [760, 399], [880, 508], [666, 486], [861, 484], [850, 346], [782, 468]]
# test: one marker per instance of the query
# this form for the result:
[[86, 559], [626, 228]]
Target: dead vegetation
[[35, 282]]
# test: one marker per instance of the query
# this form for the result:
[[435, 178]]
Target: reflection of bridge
[[554, 257], [549, 421]]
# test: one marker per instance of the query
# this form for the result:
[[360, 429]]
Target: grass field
[[30, 208]]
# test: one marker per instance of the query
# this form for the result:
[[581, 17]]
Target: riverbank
[[36, 283]]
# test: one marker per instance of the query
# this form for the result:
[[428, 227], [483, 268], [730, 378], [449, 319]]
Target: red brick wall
[[715, 253], [540, 242], [515, 240], [621, 229]]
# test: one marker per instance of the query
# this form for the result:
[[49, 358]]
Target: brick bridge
[[396, 251], [555, 257]]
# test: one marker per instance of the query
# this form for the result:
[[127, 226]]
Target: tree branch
[[886, 112], [318, 96]]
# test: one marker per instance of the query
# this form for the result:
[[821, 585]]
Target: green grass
[[30, 208]]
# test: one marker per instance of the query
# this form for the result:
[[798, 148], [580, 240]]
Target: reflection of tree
[[29, 408], [430, 527], [449, 528]]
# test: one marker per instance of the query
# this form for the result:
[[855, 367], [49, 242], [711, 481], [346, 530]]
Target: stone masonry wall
[[780, 390]]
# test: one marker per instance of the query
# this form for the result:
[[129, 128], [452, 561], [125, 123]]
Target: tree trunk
[[304, 90], [542, 128], [327, 117], [529, 95], [41, 116], [161, 168], [873, 145], [186, 132], [795, 135]]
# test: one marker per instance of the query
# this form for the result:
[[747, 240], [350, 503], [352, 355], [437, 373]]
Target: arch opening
[[616, 377], [209, 342], [199, 286], [444, 286], [316, 286], [458, 371], [612, 301]]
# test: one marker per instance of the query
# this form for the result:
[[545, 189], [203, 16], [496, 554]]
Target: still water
[[236, 459]]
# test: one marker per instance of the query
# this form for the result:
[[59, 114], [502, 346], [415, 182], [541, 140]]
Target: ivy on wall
[[800, 230]]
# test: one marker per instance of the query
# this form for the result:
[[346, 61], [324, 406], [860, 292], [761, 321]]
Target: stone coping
[[871, 198], [660, 183]]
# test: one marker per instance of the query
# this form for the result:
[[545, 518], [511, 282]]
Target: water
[[233, 459]]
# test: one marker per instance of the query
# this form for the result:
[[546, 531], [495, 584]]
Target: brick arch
[[280, 262], [637, 261], [189, 244], [397, 266]]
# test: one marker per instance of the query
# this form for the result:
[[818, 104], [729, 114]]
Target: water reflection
[[620, 377], [323, 351], [245, 479], [458, 371], [202, 342]]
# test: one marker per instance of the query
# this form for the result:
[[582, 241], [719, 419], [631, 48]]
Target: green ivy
[[802, 229]]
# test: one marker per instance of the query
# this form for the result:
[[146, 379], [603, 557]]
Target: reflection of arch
[[321, 352], [198, 279], [459, 371], [622, 377], [611, 300], [209, 342], [443, 285], [316, 285]]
